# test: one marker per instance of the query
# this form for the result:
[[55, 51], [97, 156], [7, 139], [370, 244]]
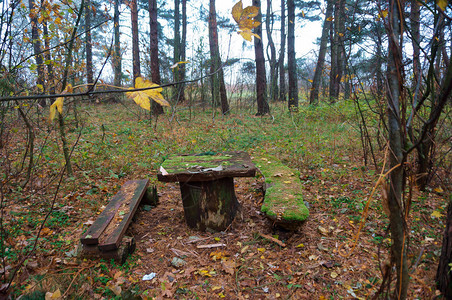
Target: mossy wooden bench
[[104, 237], [283, 201], [207, 186]]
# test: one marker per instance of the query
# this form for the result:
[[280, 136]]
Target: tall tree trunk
[[443, 274], [183, 49], [218, 86], [282, 52], [292, 62], [176, 51], [337, 50], [117, 55], [261, 79], [426, 146], [135, 40], [397, 139], [314, 97], [88, 45], [341, 47], [50, 75], [269, 21], [379, 60], [415, 23], [157, 109], [37, 48]]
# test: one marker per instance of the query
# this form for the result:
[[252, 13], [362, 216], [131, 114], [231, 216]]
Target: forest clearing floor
[[115, 143]]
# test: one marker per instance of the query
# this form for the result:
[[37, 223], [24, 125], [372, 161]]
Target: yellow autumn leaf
[[436, 214], [142, 97], [57, 21], [54, 295], [245, 19], [310, 80], [237, 11], [383, 14], [204, 273], [439, 190], [179, 63], [58, 104], [329, 19], [442, 4], [247, 34]]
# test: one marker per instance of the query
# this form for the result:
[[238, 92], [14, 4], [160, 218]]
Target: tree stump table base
[[207, 186]]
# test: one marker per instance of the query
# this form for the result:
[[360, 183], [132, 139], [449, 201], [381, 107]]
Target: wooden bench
[[105, 235], [207, 186], [283, 201]]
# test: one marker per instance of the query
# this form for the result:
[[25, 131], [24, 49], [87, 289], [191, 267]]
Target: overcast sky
[[231, 45]]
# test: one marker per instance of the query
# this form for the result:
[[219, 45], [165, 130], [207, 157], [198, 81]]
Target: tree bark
[[209, 204], [183, 49], [36, 42], [135, 40], [397, 139], [50, 75], [443, 274], [282, 51], [379, 60], [269, 21], [426, 145], [218, 85], [337, 50], [154, 49], [117, 54], [415, 16], [314, 97], [88, 45], [176, 52], [261, 79], [292, 62]]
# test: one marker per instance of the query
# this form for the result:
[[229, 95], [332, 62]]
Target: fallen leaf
[[54, 295], [322, 230], [439, 190], [334, 274], [228, 266], [436, 214]]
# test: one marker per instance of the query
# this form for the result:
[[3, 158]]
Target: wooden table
[[207, 186]]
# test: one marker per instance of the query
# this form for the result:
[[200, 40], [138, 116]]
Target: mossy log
[[283, 201]]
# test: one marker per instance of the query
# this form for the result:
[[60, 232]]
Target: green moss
[[179, 163], [283, 200]]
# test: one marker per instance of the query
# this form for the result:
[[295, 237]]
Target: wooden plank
[[187, 168], [119, 255], [91, 237], [111, 239]]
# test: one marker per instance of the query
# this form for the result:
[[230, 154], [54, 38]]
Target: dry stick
[[366, 209], [73, 279], [268, 237]]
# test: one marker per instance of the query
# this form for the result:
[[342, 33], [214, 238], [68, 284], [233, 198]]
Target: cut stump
[[209, 204]]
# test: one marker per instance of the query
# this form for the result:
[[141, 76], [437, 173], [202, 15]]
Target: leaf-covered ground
[[117, 144]]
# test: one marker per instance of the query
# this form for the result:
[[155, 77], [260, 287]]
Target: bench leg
[[209, 204]]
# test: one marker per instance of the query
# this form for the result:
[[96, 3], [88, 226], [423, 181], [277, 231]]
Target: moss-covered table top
[[206, 167]]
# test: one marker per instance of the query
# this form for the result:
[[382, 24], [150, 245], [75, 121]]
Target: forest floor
[[115, 143]]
